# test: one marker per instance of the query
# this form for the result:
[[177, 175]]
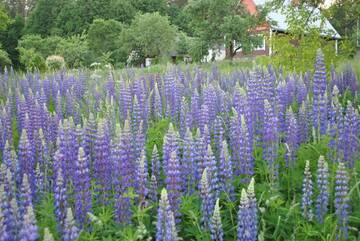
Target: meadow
[[214, 152]]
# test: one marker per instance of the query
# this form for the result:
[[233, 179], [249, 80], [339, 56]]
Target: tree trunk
[[229, 51]]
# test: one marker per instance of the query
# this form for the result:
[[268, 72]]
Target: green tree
[[103, 36], [43, 46], [68, 19], [218, 22], [150, 6], [344, 15], [121, 10], [19, 7], [9, 38], [4, 58], [4, 18], [151, 34], [42, 18], [32, 60], [75, 50]]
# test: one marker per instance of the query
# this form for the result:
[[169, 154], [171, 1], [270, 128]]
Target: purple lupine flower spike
[[25, 195], [71, 232], [165, 226], [47, 235], [307, 189], [5, 231], [29, 229], [153, 189], [253, 207], [270, 138], [82, 184], [226, 170], [60, 200], [170, 145], [246, 219], [207, 199], [216, 230], [342, 201], [155, 163], [102, 164], [188, 172], [212, 171], [173, 184], [141, 178], [322, 200], [9, 205], [127, 173]]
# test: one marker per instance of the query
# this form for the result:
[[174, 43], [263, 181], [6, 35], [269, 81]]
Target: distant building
[[275, 23]]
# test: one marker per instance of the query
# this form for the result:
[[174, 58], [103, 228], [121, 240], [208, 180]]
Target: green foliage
[[198, 48], [43, 46], [4, 59], [75, 50], [32, 60], [44, 10], [155, 136], [219, 22], [122, 10], [9, 38], [45, 215], [299, 52], [150, 6], [344, 16], [103, 37], [295, 50], [4, 18], [152, 34]]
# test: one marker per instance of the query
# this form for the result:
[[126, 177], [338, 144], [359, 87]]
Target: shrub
[[55, 62], [75, 50], [4, 59], [32, 60]]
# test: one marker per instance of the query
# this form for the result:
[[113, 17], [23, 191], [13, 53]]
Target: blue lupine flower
[[342, 201]]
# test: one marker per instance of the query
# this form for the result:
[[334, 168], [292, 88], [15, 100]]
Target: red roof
[[250, 6]]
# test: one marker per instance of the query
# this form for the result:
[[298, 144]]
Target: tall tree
[[218, 22], [42, 18], [10, 37], [345, 17], [19, 7], [151, 34]]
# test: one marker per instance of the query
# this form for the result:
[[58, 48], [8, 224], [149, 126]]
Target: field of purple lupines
[[185, 155]]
